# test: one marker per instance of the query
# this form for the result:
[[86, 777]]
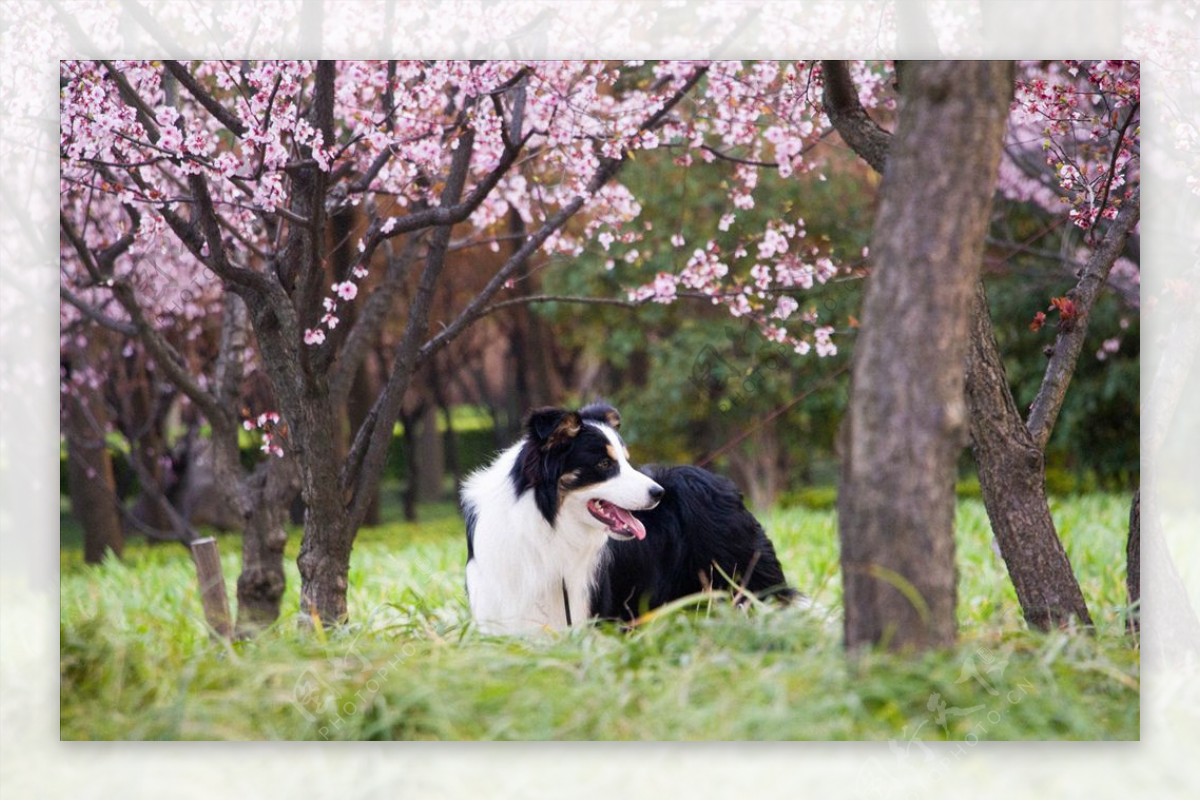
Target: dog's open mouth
[[621, 522]]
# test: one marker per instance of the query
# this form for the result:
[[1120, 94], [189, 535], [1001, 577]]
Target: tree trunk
[[451, 438], [262, 581], [431, 456], [363, 392], [1012, 475], [1133, 565], [907, 420], [324, 559], [90, 475], [145, 417], [409, 423]]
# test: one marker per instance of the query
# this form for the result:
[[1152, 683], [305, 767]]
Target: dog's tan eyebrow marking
[[612, 452]]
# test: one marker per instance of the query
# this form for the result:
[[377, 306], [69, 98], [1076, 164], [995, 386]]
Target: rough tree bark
[[1012, 476], [262, 581], [1010, 453], [907, 419]]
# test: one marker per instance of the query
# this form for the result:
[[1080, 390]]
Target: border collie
[[561, 528]]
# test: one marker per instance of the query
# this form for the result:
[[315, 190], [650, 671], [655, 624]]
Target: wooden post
[[213, 595]]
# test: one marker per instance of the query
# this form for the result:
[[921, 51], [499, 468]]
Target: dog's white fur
[[515, 580]]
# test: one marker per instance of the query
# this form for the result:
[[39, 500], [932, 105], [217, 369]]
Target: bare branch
[[1069, 344], [577, 299], [165, 356]]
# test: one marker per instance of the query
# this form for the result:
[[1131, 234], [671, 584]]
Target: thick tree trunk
[[90, 475], [262, 581], [907, 419], [1012, 475]]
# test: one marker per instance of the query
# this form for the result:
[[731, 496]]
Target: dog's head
[[577, 465]]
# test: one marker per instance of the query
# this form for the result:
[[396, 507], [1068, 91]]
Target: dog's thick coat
[[562, 528]]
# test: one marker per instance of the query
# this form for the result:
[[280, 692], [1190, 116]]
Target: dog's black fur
[[699, 534]]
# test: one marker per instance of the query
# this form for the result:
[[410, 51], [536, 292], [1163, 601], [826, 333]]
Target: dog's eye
[[606, 464]]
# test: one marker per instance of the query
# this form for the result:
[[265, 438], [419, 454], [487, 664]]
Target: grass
[[137, 661]]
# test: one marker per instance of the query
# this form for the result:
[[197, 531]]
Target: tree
[[239, 169], [907, 418], [1008, 451]]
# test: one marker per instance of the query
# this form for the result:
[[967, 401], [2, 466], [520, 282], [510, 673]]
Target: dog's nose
[[656, 493]]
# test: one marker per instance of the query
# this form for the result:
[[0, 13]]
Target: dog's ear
[[602, 412], [551, 428]]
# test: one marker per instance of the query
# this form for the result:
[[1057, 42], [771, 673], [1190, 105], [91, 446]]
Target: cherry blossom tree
[[229, 173]]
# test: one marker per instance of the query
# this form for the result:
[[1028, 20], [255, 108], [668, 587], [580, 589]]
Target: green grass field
[[137, 661]]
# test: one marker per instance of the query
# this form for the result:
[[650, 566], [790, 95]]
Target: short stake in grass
[[213, 595]]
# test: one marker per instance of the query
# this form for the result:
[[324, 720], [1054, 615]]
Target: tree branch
[[231, 354], [1069, 344], [374, 436], [1112, 165], [305, 246], [95, 315], [217, 260], [604, 173], [362, 466], [224, 115], [133, 100], [849, 117], [582, 300], [441, 215], [371, 319]]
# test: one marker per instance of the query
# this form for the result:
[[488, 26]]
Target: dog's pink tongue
[[634, 525]]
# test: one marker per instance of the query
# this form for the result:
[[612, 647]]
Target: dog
[[561, 529]]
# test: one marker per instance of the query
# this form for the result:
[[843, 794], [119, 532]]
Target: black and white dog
[[561, 528]]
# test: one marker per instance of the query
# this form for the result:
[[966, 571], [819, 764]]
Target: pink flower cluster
[[1085, 116], [273, 433], [765, 298]]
